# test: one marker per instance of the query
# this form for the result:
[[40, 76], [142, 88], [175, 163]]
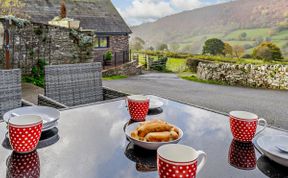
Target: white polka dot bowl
[[175, 160], [244, 125], [138, 107], [148, 145], [25, 132], [23, 165]]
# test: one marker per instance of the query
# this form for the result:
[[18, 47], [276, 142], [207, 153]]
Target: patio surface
[[270, 104], [30, 92]]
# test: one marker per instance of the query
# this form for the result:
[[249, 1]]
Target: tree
[[174, 47], [243, 36], [137, 43], [267, 51], [63, 10], [238, 51], [213, 46], [10, 7], [151, 48], [228, 50], [162, 47]]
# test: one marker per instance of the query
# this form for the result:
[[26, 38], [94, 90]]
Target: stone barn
[[96, 27]]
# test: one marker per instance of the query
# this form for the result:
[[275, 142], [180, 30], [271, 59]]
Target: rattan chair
[[10, 91], [75, 84]]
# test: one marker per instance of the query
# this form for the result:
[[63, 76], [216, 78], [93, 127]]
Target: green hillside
[[241, 22], [252, 39]]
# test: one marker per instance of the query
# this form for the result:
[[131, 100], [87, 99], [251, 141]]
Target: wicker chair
[[10, 91], [75, 84]]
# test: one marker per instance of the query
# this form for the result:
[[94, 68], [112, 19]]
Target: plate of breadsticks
[[153, 133]]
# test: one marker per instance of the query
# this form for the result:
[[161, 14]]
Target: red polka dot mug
[[23, 165], [242, 155], [175, 160], [24, 132], [138, 106], [244, 125]]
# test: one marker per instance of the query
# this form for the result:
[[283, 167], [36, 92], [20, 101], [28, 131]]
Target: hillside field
[[254, 36]]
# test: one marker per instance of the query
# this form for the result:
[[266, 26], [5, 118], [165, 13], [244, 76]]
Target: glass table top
[[91, 143]]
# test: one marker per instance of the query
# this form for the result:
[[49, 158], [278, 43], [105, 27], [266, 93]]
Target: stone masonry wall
[[57, 46], [259, 76], [117, 44], [127, 69]]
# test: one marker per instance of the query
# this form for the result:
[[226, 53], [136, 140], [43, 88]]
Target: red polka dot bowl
[[242, 155], [175, 160], [244, 124], [23, 165], [24, 132], [138, 106]]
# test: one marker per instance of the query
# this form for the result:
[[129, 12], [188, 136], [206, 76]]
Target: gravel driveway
[[270, 104]]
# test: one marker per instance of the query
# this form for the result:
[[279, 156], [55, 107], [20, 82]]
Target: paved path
[[30, 92], [272, 105]]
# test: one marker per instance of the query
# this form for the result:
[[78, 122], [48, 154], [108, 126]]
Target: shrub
[[247, 56], [108, 56], [247, 46], [37, 74], [213, 47], [162, 47], [267, 51], [228, 50], [238, 51]]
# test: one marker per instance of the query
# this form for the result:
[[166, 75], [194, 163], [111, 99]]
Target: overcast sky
[[136, 12]]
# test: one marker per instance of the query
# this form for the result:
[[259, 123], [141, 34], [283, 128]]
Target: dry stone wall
[[258, 76]]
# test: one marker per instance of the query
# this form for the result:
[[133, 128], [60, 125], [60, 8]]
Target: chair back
[[74, 84], [10, 90]]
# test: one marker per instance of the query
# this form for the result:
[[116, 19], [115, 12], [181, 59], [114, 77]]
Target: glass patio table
[[92, 144]]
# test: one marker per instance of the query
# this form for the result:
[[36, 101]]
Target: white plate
[[154, 103], [148, 145], [267, 145], [48, 114]]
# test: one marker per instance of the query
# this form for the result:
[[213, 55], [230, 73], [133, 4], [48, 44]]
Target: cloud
[[146, 11], [186, 4], [141, 11]]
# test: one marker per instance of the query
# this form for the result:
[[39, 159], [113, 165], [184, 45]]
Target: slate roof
[[96, 15]]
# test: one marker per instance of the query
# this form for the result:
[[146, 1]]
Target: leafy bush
[[246, 56], [213, 47], [228, 49], [267, 51], [37, 74], [162, 47], [238, 51], [108, 56]]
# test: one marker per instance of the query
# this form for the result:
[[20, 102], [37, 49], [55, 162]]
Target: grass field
[[115, 77], [173, 64], [251, 33], [177, 65], [193, 77], [281, 36]]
